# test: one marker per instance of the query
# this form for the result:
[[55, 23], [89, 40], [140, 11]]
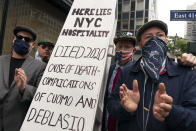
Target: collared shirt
[[114, 74]]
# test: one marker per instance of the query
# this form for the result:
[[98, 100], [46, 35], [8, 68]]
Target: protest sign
[[68, 93]]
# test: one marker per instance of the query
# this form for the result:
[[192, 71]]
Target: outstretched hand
[[130, 98]]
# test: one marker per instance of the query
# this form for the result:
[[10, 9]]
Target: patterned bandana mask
[[153, 57]]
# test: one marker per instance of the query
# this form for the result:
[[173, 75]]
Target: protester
[[125, 48], [44, 50], [19, 79], [155, 93]]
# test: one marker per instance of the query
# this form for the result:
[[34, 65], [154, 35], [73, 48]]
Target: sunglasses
[[44, 46], [27, 39]]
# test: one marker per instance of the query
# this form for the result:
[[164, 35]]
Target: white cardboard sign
[[67, 96]]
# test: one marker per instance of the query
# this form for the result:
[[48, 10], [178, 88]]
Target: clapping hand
[[162, 103], [20, 78], [130, 98]]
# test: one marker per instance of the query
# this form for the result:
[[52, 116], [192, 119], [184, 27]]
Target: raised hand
[[130, 98], [20, 78], [162, 103], [187, 59]]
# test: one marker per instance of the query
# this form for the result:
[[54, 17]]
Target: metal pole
[[3, 24], [175, 43]]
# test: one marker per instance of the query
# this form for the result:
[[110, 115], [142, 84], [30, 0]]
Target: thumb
[[162, 88], [135, 86], [16, 71]]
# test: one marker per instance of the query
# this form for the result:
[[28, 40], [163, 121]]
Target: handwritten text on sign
[[67, 96]]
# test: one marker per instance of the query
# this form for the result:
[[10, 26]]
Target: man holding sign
[[155, 93]]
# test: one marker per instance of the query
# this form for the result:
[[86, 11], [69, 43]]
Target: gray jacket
[[13, 105]]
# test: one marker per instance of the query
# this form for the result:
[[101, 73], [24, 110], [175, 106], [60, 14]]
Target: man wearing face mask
[[19, 79], [155, 93], [125, 48]]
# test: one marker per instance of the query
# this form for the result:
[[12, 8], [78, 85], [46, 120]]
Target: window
[[133, 6], [125, 15], [126, 7], [139, 14], [125, 25], [131, 24], [147, 4], [119, 16], [119, 7], [132, 14], [146, 13], [118, 25]]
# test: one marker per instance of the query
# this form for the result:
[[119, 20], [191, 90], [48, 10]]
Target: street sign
[[182, 15]]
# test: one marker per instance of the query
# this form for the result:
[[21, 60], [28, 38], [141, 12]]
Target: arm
[[183, 117], [115, 107], [31, 89]]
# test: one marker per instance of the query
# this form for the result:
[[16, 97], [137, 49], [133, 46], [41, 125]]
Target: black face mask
[[21, 47], [154, 53]]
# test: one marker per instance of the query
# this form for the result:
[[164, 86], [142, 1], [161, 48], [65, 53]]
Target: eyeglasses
[[27, 39], [44, 46]]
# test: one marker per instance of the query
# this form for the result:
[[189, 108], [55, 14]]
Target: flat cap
[[46, 42], [26, 29], [125, 37], [153, 23]]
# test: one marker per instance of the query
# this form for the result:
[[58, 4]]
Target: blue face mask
[[154, 54], [21, 47]]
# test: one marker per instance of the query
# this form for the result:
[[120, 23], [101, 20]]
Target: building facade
[[191, 26], [132, 14], [46, 17]]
